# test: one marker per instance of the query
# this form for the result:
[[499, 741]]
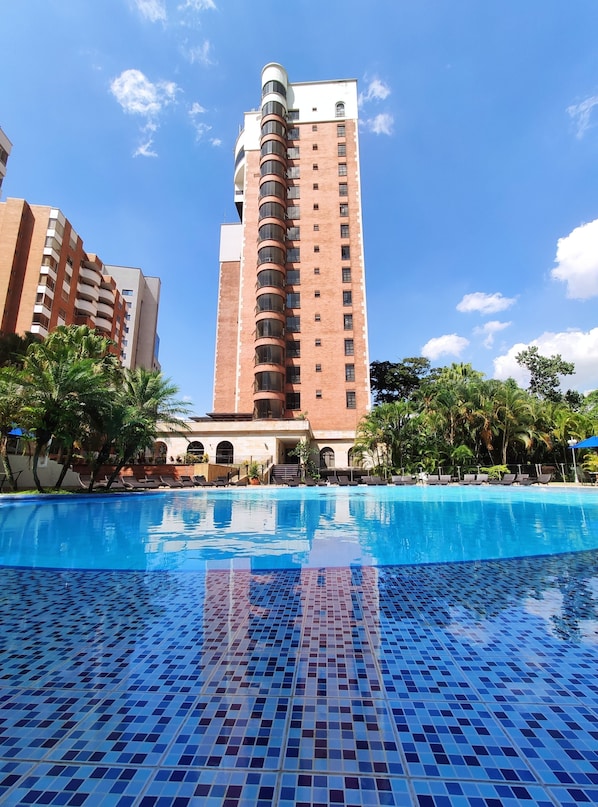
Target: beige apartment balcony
[[86, 292], [103, 323], [106, 295], [85, 307]]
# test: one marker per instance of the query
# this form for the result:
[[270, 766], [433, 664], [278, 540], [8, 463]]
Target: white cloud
[[201, 128], [577, 259], [216, 142], [196, 109], [485, 303], [489, 329], [198, 5], [153, 10], [579, 347], [376, 91], [581, 114], [139, 96], [380, 124], [199, 53], [447, 345]]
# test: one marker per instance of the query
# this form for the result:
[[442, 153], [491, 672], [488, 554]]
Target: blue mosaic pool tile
[[327, 790], [350, 735], [226, 732], [73, 785], [176, 787], [436, 793], [125, 729], [457, 741]]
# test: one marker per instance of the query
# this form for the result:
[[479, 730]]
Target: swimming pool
[[290, 528], [330, 680]]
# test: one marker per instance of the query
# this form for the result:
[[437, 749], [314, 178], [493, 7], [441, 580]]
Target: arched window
[[340, 110], [353, 461], [224, 453], [196, 448], [326, 458]]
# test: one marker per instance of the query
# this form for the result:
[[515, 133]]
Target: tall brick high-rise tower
[[292, 325]]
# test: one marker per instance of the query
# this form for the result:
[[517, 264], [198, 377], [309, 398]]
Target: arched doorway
[[327, 458], [225, 453]]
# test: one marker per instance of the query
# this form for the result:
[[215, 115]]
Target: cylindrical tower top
[[275, 72]]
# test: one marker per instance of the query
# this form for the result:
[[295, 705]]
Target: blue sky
[[479, 158]]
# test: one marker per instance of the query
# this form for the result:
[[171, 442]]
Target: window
[[224, 453], [348, 322], [293, 133], [316, 293], [342, 169], [293, 114], [292, 192], [347, 298], [318, 343], [293, 152], [293, 349], [315, 186], [293, 212], [340, 110], [293, 277], [315, 147], [293, 172], [293, 401], [327, 458], [316, 270], [345, 252], [315, 167], [343, 209], [293, 233], [196, 448], [342, 149], [293, 375], [316, 248], [293, 299], [316, 228], [349, 372], [127, 292], [318, 393], [293, 325], [346, 270], [344, 230], [318, 368], [293, 254], [340, 129], [316, 206], [351, 401], [317, 317], [349, 347], [343, 189], [314, 128]]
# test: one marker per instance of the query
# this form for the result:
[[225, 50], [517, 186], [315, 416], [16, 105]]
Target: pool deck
[[453, 684]]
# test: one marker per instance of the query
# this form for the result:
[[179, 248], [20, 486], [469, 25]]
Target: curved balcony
[[85, 307], [90, 272], [268, 409], [106, 311], [86, 292], [106, 296], [104, 324]]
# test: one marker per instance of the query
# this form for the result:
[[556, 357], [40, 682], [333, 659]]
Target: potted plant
[[253, 472]]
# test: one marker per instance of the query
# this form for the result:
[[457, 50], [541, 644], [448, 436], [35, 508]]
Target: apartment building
[[140, 342], [292, 324], [47, 279], [5, 149]]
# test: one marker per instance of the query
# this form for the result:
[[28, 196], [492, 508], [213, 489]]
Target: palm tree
[[147, 399]]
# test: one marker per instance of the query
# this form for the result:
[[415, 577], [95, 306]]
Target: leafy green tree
[[544, 372], [13, 348], [11, 402], [397, 381]]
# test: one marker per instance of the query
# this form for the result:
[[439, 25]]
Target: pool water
[[302, 675], [290, 528]]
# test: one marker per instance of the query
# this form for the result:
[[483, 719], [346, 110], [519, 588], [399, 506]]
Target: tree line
[[425, 418], [71, 392]]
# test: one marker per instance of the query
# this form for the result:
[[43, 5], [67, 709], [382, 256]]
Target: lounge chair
[[433, 480], [292, 482], [132, 483], [403, 479], [200, 481], [541, 479], [171, 482], [508, 479], [344, 481], [468, 479], [186, 481], [221, 481], [481, 479], [520, 479], [85, 482], [373, 480]]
